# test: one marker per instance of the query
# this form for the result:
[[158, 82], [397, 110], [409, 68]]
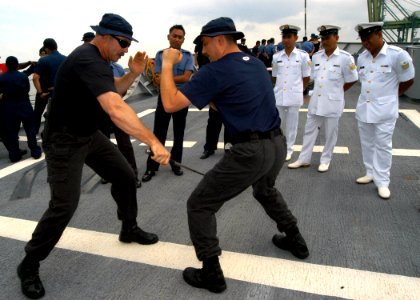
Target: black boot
[[130, 232], [30, 282], [210, 277], [293, 243], [148, 175]]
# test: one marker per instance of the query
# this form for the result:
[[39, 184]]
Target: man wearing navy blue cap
[[385, 72], [88, 37], [71, 139], [239, 87]]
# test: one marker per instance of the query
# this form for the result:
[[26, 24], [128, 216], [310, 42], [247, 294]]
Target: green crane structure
[[403, 27]]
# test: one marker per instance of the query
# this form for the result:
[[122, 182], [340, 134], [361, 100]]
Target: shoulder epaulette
[[395, 48], [319, 52], [345, 52]]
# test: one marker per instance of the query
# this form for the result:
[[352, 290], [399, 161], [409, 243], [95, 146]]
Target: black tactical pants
[[66, 155], [255, 163]]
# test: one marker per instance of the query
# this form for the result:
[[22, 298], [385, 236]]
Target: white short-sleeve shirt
[[380, 78], [290, 71], [330, 73]]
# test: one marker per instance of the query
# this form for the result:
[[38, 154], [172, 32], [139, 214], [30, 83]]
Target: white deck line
[[281, 273]]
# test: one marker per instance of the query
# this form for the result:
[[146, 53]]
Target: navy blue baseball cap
[[113, 24], [219, 26]]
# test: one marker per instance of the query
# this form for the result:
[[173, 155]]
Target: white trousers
[[312, 127], [289, 116], [376, 141]]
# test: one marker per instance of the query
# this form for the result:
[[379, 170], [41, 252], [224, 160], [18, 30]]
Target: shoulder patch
[[352, 67], [405, 65]]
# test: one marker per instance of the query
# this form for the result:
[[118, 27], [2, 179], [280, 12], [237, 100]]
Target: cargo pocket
[[58, 156]]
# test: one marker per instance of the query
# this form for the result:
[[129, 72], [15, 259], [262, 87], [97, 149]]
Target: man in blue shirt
[[44, 77], [182, 72], [307, 45], [17, 109], [239, 87]]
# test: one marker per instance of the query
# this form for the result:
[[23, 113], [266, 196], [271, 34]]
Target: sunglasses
[[123, 43]]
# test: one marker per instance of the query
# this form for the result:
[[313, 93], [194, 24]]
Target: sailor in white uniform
[[291, 70], [334, 72], [385, 72]]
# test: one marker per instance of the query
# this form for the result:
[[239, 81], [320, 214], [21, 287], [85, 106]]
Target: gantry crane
[[403, 26]]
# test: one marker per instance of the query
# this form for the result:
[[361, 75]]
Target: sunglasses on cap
[[123, 43]]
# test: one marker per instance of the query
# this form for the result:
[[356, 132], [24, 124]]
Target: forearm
[[305, 82], [404, 86], [123, 83], [348, 85], [123, 116], [37, 83], [168, 89], [183, 78], [24, 65]]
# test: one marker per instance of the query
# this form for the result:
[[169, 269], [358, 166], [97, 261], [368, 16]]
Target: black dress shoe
[[178, 171], [206, 154], [135, 234], [295, 244], [30, 282], [138, 183], [213, 280], [148, 175]]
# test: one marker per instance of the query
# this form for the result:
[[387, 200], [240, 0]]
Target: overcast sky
[[25, 24]]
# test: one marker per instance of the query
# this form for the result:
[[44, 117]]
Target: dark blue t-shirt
[[14, 86], [240, 87], [47, 67]]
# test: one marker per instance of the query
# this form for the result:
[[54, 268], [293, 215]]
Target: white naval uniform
[[290, 71], [377, 107], [327, 101]]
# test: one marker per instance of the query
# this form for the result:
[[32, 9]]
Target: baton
[[178, 164]]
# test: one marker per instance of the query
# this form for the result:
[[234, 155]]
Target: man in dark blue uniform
[[182, 73], [239, 87], [17, 109], [71, 139], [44, 77]]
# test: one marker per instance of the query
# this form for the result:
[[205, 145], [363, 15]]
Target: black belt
[[254, 136]]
